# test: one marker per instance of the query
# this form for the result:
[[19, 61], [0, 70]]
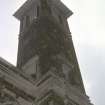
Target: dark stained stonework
[[47, 71]]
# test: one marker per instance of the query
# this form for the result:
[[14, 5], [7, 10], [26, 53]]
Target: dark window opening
[[49, 10], [21, 25], [27, 21], [37, 11], [60, 19]]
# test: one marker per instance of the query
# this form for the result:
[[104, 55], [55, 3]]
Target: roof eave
[[70, 13], [18, 14]]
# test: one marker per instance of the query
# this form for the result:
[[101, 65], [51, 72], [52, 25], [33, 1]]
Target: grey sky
[[88, 31]]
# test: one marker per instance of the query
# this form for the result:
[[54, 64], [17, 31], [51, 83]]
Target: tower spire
[[45, 41], [46, 52]]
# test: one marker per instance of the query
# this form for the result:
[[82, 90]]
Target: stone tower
[[46, 54]]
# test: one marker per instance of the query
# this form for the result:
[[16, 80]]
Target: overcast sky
[[87, 25]]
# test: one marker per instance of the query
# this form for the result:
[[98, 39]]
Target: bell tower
[[46, 51]]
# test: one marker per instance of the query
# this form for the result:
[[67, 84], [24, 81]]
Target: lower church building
[[47, 71]]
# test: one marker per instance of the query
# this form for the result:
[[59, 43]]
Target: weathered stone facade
[[47, 71]]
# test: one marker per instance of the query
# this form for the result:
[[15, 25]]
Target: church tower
[[46, 53]]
